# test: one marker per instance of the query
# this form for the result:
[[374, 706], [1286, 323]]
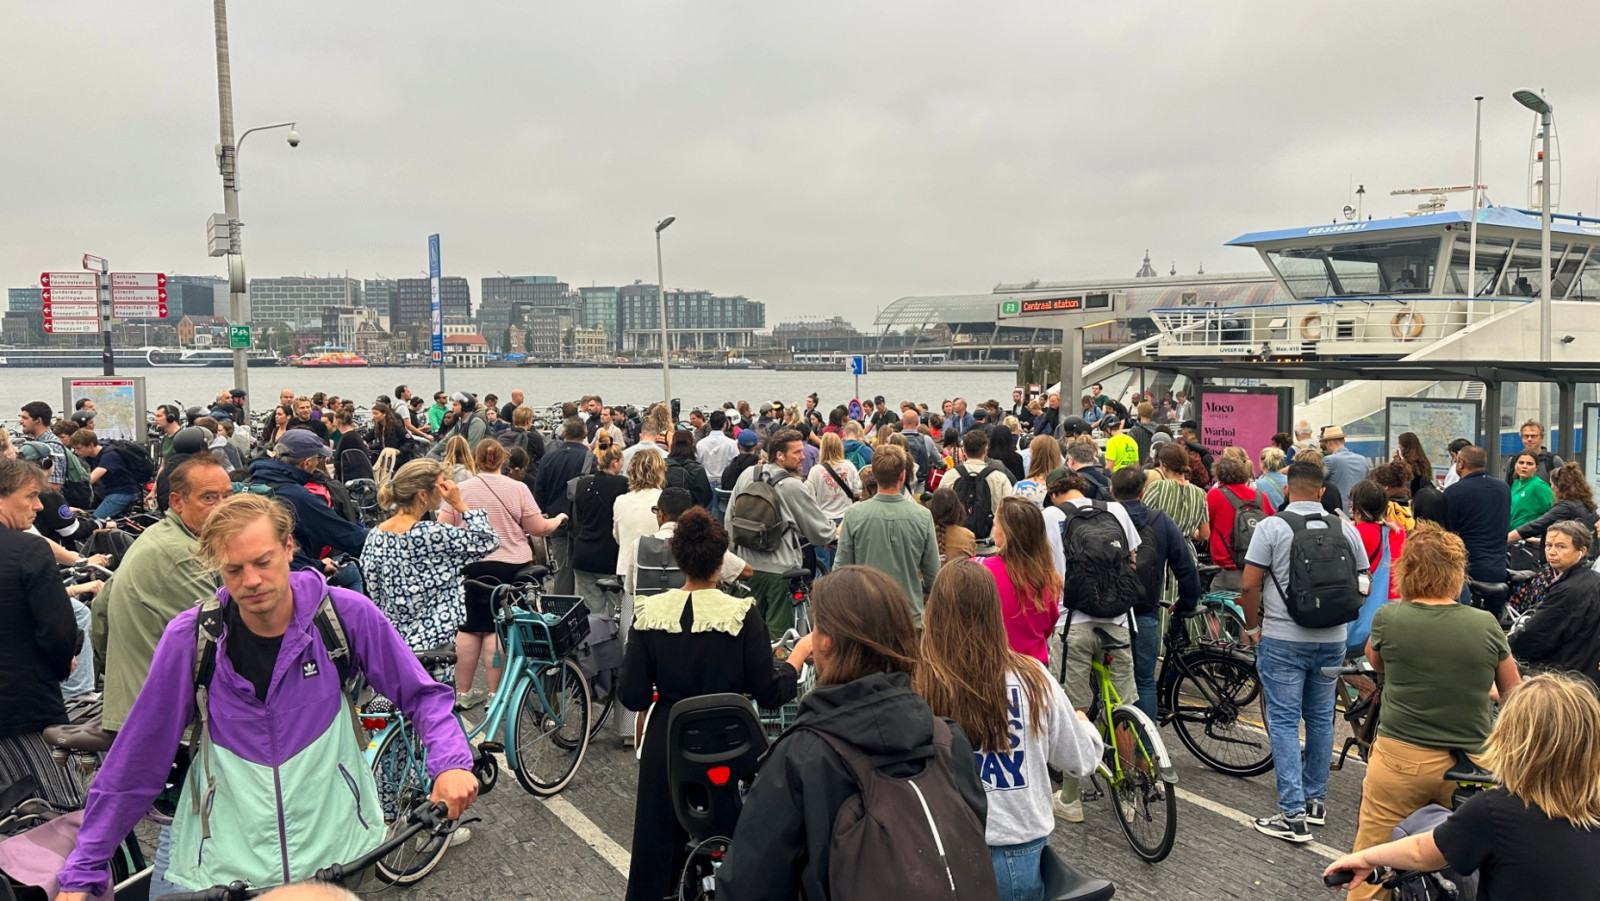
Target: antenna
[[1436, 197]]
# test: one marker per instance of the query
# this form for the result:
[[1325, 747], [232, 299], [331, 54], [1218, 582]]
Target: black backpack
[[1323, 589], [972, 490], [1099, 483], [755, 519], [906, 837], [1151, 566], [1247, 515], [1100, 579], [141, 468]]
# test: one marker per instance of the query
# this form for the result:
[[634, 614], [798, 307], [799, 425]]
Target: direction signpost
[[82, 303], [858, 368], [1069, 313]]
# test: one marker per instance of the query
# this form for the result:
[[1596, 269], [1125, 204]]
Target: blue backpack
[[1361, 629]]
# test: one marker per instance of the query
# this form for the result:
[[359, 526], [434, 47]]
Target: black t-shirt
[[1520, 852], [314, 425], [252, 656], [56, 521]]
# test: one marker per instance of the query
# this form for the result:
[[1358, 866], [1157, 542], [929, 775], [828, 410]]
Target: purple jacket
[[304, 698]]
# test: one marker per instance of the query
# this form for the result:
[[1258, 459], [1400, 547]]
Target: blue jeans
[[1296, 691], [158, 867], [115, 505], [348, 576], [1146, 647], [1019, 870]]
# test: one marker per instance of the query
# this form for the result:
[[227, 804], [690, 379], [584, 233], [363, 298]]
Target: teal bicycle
[[539, 718]]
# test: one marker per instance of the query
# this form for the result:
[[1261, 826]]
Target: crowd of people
[[970, 561]]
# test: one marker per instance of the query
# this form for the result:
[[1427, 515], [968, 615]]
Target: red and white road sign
[[94, 263], [71, 326], [69, 295], [139, 303], [69, 279], [137, 280], [74, 310]]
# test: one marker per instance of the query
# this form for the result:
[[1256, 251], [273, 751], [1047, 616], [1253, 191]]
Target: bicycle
[[775, 720], [424, 818], [539, 718], [1207, 690], [611, 585], [1136, 771], [1360, 695]]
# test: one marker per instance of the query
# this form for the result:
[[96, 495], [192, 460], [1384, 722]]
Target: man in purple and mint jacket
[[278, 786]]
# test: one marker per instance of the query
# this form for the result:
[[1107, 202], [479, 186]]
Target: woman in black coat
[[684, 469], [1003, 450], [690, 641], [39, 639]]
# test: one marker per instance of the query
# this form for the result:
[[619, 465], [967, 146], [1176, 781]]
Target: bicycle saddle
[[609, 583], [1489, 592], [87, 736], [442, 655], [1063, 883], [1518, 576], [533, 572], [797, 573], [1107, 643], [1465, 770]]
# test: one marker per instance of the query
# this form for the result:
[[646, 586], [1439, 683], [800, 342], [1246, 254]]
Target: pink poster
[[1247, 420]]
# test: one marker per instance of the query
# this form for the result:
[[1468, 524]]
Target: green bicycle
[[1136, 771], [539, 718]]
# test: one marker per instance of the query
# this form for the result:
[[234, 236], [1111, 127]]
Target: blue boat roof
[[1501, 216]]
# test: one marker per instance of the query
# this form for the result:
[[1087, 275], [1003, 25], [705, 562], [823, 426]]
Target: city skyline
[[824, 160]]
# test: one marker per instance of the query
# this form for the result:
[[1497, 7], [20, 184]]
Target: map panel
[[1436, 422]]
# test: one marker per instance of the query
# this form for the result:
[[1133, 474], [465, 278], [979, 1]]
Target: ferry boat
[[127, 357], [1382, 291], [323, 357]]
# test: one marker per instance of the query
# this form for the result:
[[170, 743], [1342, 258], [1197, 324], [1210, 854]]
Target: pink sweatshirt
[[1027, 632]]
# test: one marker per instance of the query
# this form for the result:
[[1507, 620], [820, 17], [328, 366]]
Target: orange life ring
[[1407, 325], [1311, 327]]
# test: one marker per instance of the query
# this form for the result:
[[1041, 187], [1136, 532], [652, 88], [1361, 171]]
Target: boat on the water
[[128, 357], [325, 358]]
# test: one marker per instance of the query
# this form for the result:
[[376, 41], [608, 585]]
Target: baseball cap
[[748, 438], [237, 392], [301, 443]]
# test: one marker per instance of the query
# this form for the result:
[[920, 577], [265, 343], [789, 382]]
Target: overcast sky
[[826, 158]]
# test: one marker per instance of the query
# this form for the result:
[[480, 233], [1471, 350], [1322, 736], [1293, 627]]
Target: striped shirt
[[1186, 504], [511, 510]]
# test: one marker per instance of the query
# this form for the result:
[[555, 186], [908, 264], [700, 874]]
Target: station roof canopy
[[1486, 371]]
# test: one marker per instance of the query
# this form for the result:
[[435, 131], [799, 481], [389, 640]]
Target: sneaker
[[1316, 812], [1288, 828], [470, 699], [1068, 811], [460, 836]]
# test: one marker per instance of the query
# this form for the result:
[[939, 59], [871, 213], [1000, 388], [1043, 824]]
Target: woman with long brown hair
[[865, 651], [1016, 716], [956, 541], [1418, 466], [1026, 578]]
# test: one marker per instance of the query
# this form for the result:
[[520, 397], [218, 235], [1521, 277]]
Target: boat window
[[1587, 287], [1522, 277], [1491, 257], [1566, 270], [1344, 270]]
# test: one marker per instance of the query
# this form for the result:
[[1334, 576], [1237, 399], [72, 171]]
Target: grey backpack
[[755, 519], [658, 569]]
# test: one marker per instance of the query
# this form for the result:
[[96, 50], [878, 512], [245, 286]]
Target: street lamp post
[[661, 292], [227, 162], [1542, 106]]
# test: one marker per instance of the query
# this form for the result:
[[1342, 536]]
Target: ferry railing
[[1327, 322]]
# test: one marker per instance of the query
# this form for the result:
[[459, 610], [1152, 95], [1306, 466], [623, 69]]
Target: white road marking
[[581, 826], [1244, 819], [591, 833]]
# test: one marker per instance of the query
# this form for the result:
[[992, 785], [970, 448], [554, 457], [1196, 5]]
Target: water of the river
[[696, 387]]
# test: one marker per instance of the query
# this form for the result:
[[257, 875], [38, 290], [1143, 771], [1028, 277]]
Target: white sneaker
[[1071, 812], [460, 836]]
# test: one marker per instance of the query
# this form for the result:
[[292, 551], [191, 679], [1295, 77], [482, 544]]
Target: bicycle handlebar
[[426, 816]]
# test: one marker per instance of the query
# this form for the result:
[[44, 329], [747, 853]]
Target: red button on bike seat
[[719, 775]]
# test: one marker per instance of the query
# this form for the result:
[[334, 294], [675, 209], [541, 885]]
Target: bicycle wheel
[[600, 709], [1216, 706], [1216, 623], [403, 784], [550, 734], [1147, 807]]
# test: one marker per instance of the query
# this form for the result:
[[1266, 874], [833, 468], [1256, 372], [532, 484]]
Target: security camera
[[294, 138]]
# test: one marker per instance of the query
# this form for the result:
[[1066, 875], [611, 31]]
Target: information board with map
[[1436, 422], [118, 404]]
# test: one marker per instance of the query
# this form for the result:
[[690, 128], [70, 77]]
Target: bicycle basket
[[556, 632]]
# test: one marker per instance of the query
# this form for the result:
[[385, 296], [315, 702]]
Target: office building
[[378, 294], [526, 290], [599, 310], [696, 320], [548, 332], [413, 302], [299, 300], [28, 303]]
